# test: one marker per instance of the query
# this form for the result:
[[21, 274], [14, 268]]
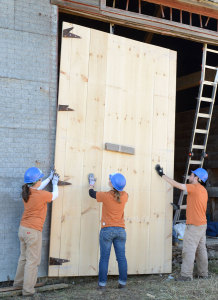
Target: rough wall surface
[[28, 87]]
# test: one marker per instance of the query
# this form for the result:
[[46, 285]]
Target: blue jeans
[[117, 236]]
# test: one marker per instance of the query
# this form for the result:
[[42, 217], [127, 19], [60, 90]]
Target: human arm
[[174, 183], [46, 181], [92, 180], [55, 186], [171, 181]]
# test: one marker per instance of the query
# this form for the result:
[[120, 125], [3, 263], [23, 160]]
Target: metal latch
[[57, 261]]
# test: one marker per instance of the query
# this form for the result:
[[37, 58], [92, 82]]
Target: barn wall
[[28, 33]]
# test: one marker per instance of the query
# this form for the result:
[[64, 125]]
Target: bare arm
[[174, 183]]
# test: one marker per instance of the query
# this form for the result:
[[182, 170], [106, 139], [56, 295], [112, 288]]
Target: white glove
[[55, 179], [91, 179], [51, 174]]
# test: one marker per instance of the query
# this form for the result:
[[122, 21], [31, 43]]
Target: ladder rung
[[203, 115], [198, 147], [211, 50], [195, 162], [204, 131], [210, 67], [208, 82], [181, 221], [206, 99]]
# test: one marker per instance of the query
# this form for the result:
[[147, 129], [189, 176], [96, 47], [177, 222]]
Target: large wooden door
[[121, 92]]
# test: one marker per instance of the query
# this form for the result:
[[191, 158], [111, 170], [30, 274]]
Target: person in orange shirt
[[112, 226], [30, 231], [194, 241]]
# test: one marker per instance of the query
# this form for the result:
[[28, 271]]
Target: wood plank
[[51, 287], [60, 151], [71, 224], [170, 160], [90, 209], [157, 238], [140, 21], [119, 90], [204, 8], [12, 288]]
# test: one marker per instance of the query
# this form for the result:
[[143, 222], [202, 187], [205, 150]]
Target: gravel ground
[[139, 287]]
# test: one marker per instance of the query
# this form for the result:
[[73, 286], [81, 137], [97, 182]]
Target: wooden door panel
[[122, 92]]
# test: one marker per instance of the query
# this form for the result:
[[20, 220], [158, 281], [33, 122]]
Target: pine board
[[122, 92]]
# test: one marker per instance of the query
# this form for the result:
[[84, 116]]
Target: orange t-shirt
[[196, 204], [112, 211], [35, 209]]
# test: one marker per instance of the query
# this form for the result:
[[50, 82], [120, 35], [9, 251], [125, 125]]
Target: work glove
[[55, 179], [175, 206], [51, 174], [159, 170], [91, 179]]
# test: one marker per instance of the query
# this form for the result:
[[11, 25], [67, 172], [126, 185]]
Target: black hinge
[[68, 34], [64, 108], [57, 261], [64, 183]]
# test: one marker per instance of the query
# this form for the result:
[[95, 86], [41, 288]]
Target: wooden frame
[[136, 20]]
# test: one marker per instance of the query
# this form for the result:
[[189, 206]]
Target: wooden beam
[[208, 9], [138, 21], [52, 287], [192, 80], [149, 35]]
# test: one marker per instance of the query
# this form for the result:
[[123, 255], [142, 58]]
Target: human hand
[[91, 179], [55, 179], [51, 174], [159, 170]]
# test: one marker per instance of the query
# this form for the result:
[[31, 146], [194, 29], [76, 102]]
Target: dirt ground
[[139, 287]]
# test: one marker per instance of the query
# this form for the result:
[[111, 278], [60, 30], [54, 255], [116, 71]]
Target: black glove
[[175, 206], [159, 170]]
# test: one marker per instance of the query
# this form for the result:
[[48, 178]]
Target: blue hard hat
[[118, 181], [32, 175], [201, 173]]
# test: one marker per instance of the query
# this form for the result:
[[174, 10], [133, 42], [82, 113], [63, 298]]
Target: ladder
[[196, 131]]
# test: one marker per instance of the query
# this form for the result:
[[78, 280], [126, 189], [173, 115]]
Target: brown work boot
[[183, 278]]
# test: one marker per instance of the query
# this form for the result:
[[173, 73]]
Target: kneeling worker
[[194, 241]]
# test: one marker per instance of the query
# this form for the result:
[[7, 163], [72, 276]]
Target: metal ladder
[[196, 130]]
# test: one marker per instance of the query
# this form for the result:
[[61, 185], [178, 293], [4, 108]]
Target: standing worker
[[112, 226], [194, 241], [30, 231]]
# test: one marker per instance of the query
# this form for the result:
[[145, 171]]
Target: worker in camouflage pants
[[194, 241]]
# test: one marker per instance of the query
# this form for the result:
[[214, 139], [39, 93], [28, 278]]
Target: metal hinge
[[64, 183], [64, 108], [68, 34], [57, 261]]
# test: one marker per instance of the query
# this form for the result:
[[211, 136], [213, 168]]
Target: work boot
[[183, 278], [121, 286]]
